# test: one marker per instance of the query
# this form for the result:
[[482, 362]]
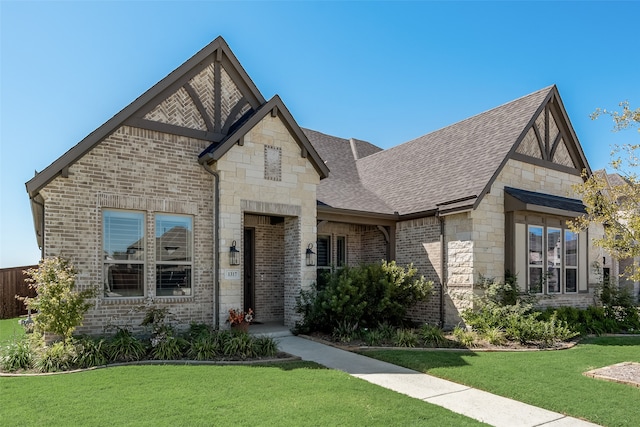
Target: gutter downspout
[[442, 270], [42, 225], [216, 249]]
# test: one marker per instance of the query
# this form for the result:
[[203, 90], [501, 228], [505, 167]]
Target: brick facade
[[136, 170], [268, 268], [365, 244], [418, 243], [269, 172]]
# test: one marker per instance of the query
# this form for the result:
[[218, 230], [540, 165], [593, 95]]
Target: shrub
[[124, 347], [204, 346], [198, 329], [432, 335], [364, 296], [17, 355], [265, 347], [495, 336], [345, 331], [239, 345], [501, 307], [464, 337], [60, 308], [59, 356], [90, 352], [167, 347], [406, 338], [373, 337]]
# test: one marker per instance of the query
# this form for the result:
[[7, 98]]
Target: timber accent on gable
[[549, 140], [205, 103], [203, 98]]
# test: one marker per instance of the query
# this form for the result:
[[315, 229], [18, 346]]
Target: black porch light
[[310, 255], [234, 259]]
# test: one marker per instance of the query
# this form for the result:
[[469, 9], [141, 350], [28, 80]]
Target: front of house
[[202, 196]]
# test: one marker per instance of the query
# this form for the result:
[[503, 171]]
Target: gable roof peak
[[456, 162], [216, 51]]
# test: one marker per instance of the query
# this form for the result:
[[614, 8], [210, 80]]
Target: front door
[[249, 268]]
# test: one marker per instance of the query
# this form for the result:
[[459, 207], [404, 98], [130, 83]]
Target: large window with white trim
[[552, 260]]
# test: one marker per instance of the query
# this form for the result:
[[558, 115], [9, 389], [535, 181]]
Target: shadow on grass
[[629, 340], [289, 365], [427, 359]]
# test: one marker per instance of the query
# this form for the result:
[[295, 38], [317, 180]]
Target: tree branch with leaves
[[614, 200]]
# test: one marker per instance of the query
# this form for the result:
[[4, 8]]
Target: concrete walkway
[[477, 404]]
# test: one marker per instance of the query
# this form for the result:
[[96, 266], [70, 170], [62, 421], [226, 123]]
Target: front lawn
[[548, 379], [10, 329], [293, 393]]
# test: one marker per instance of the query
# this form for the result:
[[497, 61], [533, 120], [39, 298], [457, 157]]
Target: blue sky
[[385, 72]]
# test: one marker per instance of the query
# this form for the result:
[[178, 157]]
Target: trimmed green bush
[[362, 297]]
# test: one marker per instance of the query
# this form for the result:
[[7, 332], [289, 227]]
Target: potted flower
[[239, 319]]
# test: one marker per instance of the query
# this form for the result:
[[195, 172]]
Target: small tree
[[616, 205], [60, 308]]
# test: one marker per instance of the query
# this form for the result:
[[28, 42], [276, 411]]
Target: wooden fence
[[12, 283]]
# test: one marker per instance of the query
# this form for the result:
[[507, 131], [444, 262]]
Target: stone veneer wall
[[138, 170], [460, 268], [244, 189], [269, 268], [476, 239]]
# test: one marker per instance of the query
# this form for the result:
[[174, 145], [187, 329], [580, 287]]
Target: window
[[554, 260], [571, 261], [341, 251], [324, 251], [123, 253], [535, 259], [560, 256], [174, 255], [323, 257]]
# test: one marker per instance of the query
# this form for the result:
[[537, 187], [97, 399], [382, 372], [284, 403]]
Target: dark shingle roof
[[343, 189], [453, 163]]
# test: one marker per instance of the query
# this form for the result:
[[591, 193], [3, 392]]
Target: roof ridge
[[546, 89]]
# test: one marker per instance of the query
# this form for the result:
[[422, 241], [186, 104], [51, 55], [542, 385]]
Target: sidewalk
[[477, 404]]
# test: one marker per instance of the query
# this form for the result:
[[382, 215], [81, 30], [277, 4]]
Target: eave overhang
[[328, 213]]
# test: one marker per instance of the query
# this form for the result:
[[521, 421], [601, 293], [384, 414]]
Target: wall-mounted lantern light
[[234, 258], [310, 255]]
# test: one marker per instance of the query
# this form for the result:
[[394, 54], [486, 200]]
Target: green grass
[[10, 329], [548, 379], [294, 393]]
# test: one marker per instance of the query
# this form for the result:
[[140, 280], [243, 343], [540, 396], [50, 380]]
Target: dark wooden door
[[249, 269]]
